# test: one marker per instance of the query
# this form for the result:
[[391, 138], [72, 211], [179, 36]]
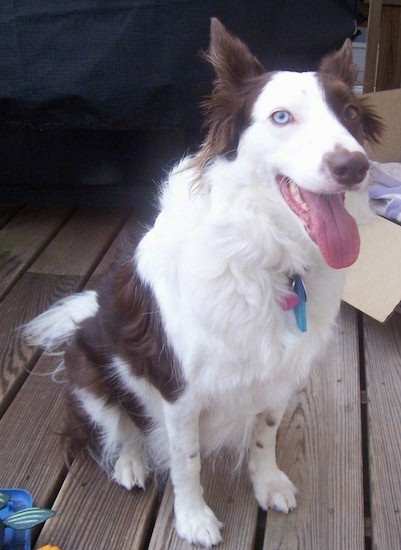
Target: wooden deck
[[339, 442]]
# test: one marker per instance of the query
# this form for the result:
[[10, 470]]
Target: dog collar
[[296, 300]]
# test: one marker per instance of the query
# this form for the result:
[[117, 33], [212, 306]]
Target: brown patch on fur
[[127, 325], [259, 445], [338, 75], [76, 433], [135, 325], [270, 420], [79, 434], [239, 80], [340, 64], [373, 126], [88, 367]]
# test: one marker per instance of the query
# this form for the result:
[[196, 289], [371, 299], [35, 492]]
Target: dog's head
[[302, 131]]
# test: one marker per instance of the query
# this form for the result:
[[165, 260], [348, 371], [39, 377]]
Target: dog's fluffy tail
[[53, 328]]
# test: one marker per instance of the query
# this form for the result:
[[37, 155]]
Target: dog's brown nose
[[347, 168]]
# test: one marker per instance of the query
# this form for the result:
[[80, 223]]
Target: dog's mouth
[[328, 222]]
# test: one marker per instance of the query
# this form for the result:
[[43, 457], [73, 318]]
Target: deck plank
[[85, 238], [24, 237], [383, 382], [231, 498], [93, 512], [30, 450], [133, 228], [7, 211], [319, 447]]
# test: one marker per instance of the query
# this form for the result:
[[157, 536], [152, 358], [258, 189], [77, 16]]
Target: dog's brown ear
[[239, 79], [230, 58], [340, 64], [373, 126]]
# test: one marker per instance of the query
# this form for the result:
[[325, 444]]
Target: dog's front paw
[[275, 490], [198, 526]]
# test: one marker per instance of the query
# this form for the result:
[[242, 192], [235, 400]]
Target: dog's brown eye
[[351, 112], [282, 117]]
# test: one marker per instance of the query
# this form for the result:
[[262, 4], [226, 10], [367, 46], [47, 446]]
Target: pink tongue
[[333, 229]]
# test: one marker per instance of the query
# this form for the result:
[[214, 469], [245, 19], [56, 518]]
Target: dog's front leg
[[195, 521], [273, 489]]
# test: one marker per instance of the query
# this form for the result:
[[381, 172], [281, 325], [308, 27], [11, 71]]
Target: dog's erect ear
[[373, 127], [230, 58], [340, 64], [239, 80]]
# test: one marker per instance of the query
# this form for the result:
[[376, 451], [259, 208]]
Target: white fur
[[218, 261], [53, 328], [315, 132]]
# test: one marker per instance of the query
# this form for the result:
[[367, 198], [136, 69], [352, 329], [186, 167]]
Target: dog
[[203, 331]]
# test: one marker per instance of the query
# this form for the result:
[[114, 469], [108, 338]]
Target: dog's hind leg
[[131, 467], [120, 441], [273, 489]]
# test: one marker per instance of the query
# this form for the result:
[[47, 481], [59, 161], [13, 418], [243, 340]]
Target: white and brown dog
[[200, 334]]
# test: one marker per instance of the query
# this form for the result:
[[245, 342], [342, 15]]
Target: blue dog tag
[[300, 309]]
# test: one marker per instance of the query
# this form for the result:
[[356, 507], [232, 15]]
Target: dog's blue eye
[[282, 117]]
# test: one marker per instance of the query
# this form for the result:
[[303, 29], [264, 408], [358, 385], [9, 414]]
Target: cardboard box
[[373, 283]]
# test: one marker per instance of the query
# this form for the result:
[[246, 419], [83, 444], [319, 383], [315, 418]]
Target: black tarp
[[82, 83], [134, 63]]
